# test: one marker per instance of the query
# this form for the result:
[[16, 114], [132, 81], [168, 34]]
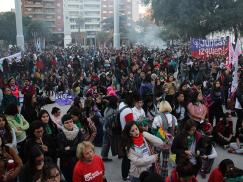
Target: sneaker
[[106, 159], [126, 179], [226, 146]]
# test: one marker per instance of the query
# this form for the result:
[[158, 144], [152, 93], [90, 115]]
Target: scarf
[[79, 124], [17, 119], [138, 141], [48, 129], [190, 140], [71, 135]]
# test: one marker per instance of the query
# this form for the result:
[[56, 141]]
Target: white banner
[[16, 56]]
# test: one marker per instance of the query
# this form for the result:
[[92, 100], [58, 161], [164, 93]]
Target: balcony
[[33, 5]]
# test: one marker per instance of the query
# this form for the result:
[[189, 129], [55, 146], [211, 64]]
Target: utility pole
[[19, 25], [116, 37]]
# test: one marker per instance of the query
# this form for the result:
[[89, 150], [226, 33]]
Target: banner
[[236, 53], [204, 48], [16, 56]]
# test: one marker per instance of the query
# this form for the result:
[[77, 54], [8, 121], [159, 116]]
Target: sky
[[6, 5]]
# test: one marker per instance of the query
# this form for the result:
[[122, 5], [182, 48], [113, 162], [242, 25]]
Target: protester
[[186, 144], [37, 137], [10, 162], [56, 112], [89, 166], [18, 123], [30, 109], [7, 133], [67, 142], [237, 147], [51, 173], [135, 144]]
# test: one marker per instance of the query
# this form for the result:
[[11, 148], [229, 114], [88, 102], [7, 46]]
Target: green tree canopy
[[197, 18], [8, 28]]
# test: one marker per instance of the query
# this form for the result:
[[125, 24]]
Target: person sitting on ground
[[237, 147], [183, 172], [226, 172], [224, 131]]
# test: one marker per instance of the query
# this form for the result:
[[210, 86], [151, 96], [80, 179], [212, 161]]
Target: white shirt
[[138, 113]]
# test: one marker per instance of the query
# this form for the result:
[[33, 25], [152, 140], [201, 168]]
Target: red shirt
[[174, 177], [216, 176], [91, 172]]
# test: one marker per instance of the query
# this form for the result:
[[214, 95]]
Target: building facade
[[82, 20], [49, 11], [129, 8]]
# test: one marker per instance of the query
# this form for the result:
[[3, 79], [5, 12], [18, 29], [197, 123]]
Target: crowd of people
[[154, 109]]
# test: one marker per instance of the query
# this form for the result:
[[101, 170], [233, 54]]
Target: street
[[113, 169]]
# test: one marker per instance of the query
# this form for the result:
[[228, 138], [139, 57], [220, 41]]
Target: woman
[[32, 170], [186, 144], [86, 125], [50, 128], [171, 85], [51, 173], [197, 111], [216, 108], [67, 142], [7, 133], [224, 131], [179, 109], [89, 166], [135, 143], [8, 98], [76, 104], [29, 109], [18, 123], [14, 87], [37, 137], [237, 147], [8, 158], [226, 172], [166, 123]]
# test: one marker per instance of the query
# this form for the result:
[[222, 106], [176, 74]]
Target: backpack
[[113, 123]]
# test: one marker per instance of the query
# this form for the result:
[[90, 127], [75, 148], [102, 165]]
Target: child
[[207, 153]]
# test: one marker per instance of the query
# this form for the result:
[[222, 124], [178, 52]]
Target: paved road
[[113, 169]]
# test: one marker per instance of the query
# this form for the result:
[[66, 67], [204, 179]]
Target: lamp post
[[116, 37], [19, 25]]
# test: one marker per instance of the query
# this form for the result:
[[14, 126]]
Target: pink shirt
[[198, 110]]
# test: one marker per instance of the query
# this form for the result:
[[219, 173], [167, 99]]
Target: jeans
[[134, 179], [106, 145]]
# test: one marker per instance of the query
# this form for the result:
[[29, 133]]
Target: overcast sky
[[6, 5]]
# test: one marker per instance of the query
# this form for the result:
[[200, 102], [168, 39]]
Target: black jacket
[[67, 157]]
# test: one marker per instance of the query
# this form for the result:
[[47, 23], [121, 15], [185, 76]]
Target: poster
[[204, 48]]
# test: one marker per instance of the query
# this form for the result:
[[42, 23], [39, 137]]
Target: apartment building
[[49, 11]]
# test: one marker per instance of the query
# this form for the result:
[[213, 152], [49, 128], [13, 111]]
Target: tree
[[197, 18], [31, 28], [108, 25], [8, 28], [103, 38]]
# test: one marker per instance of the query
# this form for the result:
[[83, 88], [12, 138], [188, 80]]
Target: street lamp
[[19, 25]]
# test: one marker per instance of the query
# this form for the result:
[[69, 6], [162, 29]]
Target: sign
[[17, 57], [204, 48]]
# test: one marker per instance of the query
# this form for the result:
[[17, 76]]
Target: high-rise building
[[49, 11], [82, 19], [129, 8]]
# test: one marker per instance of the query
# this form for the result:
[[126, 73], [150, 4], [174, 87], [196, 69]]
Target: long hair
[[46, 174], [127, 141], [27, 100], [11, 109], [76, 112], [225, 164], [9, 136]]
